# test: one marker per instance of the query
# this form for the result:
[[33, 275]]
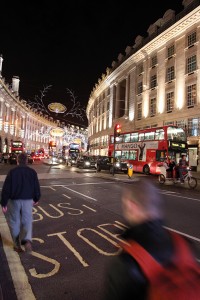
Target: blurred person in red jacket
[[142, 207]]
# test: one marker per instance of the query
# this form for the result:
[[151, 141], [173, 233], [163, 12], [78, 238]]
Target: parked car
[[61, 160], [86, 162], [13, 159], [106, 163], [36, 156], [30, 159], [71, 161]]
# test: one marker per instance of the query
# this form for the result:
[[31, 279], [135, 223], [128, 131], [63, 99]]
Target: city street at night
[[99, 150]]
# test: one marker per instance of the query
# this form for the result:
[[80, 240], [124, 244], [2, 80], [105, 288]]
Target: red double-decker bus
[[17, 147], [145, 149]]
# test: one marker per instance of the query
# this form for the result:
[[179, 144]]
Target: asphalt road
[[76, 229]]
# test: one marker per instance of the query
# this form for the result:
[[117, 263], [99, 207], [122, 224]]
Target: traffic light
[[117, 130]]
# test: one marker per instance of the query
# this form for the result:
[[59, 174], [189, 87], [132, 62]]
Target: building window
[[139, 111], [139, 87], [107, 120], [180, 124], [191, 39], [193, 127], [154, 61], [170, 51], [140, 69], [191, 64], [170, 73], [152, 107], [153, 81], [191, 95], [102, 126], [166, 123], [108, 104], [170, 101]]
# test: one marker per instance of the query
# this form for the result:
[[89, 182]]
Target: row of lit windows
[[191, 100], [190, 40], [170, 74]]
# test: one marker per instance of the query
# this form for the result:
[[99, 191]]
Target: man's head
[[22, 158], [141, 202]]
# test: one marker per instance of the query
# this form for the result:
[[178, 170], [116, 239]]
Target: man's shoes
[[18, 249], [17, 246], [28, 247]]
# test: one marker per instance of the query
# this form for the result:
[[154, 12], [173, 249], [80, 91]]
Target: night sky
[[69, 44]]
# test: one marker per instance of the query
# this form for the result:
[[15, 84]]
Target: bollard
[[130, 171]]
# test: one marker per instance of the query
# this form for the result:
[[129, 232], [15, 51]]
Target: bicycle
[[187, 177]]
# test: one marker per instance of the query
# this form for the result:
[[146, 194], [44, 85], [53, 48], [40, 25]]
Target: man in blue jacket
[[20, 191]]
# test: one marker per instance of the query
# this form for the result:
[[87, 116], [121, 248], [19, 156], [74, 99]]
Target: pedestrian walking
[[142, 208], [20, 191]]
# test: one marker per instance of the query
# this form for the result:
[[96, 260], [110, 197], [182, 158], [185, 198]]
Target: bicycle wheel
[[192, 182], [161, 178]]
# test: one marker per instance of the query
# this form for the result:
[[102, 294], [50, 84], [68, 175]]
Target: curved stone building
[[154, 83], [21, 122]]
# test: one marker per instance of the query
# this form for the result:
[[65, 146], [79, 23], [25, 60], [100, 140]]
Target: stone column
[[111, 106], [126, 113], [117, 103]]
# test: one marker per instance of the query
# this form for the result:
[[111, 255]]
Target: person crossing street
[[20, 191]]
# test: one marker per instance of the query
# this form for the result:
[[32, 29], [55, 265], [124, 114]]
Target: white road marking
[[89, 208], [73, 183], [52, 188], [67, 196], [20, 280], [180, 196], [80, 193], [184, 234]]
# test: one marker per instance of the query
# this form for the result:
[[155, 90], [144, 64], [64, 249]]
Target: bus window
[[133, 155], [159, 134], [127, 138], [149, 135], [176, 134], [141, 136], [119, 139], [125, 154], [160, 155], [134, 137], [118, 154]]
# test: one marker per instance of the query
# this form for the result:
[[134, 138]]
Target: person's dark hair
[[22, 158], [145, 192]]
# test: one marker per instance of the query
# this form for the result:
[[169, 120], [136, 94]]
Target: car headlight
[[87, 163], [117, 165]]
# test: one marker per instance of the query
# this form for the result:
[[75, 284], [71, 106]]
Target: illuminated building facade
[[155, 82], [20, 122]]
